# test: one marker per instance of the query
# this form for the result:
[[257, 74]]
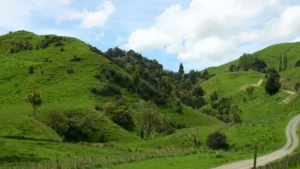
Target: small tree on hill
[[250, 91], [272, 85], [35, 101], [217, 141], [297, 63], [149, 117]]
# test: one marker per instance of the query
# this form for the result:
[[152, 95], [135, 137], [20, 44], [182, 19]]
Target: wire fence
[[99, 161]]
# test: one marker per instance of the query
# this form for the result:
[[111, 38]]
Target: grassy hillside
[[70, 93], [270, 55]]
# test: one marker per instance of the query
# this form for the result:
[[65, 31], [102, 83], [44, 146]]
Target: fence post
[[255, 156]]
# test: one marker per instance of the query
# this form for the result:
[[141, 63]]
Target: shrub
[[31, 69], [62, 49], [76, 59], [70, 71], [110, 90], [12, 50], [272, 85], [297, 63], [85, 128], [58, 121], [217, 141], [178, 107]]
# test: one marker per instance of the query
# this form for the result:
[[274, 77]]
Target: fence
[[98, 161], [284, 163]]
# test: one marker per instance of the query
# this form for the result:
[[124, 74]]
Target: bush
[[110, 90], [70, 71], [31, 69], [272, 85], [297, 63], [58, 121], [217, 141], [76, 59], [85, 128], [62, 49]]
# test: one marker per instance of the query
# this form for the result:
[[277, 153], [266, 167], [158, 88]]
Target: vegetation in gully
[[65, 103]]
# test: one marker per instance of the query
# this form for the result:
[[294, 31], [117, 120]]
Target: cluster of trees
[[223, 109], [77, 127], [45, 43], [150, 80], [120, 113], [283, 62], [20, 46], [249, 61]]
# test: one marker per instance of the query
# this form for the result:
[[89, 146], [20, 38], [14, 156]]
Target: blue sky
[[197, 33]]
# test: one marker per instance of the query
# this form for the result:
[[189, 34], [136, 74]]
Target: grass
[[264, 117], [270, 55], [70, 93]]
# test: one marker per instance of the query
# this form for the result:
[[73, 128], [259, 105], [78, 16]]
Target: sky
[[197, 33]]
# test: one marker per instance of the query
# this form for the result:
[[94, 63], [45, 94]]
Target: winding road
[[290, 146]]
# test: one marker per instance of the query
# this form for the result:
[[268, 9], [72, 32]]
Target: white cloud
[[296, 40], [64, 2], [212, 30], [100, 36], [91, 19]]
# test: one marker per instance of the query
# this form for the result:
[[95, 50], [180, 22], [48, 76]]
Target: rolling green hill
[[68, 73], [64, 92], [270, 55]]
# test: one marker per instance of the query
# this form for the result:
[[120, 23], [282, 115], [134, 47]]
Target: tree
[[180, 71], [192, 76], [58, 121], [285, 62], [280, 63], [179, 107], [149, 117], [31, 69], [272, 85], [136, 80], [205, 75], [233, 68], [198, 91], [35, 101], [217, 141], [246, 61], [235, 114], [192, 136], [297, 63], [250, 91], [214, 96], [297, 87]]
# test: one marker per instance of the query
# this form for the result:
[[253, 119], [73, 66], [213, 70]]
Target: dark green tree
[[180, 71], [297, 63], [217, 141], [272, 85]]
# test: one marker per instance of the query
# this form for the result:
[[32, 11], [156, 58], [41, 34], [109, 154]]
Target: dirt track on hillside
[[291, 144]]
